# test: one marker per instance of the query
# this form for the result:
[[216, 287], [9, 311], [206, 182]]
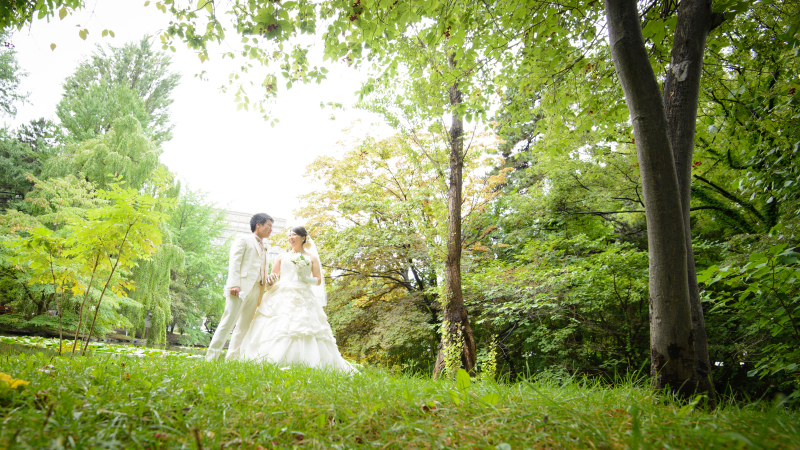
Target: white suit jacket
[[244, 266]]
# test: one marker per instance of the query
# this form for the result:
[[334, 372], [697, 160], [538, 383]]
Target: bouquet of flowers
[[300, 262]]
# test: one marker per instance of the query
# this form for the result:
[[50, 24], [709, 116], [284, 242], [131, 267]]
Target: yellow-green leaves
[[463, 391], [83, 33], [16, 14], [462, 380], [207, 4], [491, 399], [52, 46]]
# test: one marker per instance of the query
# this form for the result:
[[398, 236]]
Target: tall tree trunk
[[671, 336], [458, 332], [681, 92]]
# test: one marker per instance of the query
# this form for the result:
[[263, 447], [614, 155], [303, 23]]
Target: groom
[[247, 275]]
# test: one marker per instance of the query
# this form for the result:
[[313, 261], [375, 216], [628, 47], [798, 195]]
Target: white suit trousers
[[237, 317]]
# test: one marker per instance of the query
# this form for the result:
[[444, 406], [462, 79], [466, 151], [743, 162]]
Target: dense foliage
[[556, 279], [97, 236]]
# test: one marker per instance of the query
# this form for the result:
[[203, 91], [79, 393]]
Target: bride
[[290, 326]]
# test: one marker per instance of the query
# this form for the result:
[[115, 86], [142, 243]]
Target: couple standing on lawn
[[276, 317]]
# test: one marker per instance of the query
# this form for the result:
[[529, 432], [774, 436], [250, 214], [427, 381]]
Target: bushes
[[757, 301], [578, 304]]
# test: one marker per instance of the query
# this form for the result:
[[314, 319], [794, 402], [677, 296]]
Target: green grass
[[166, 402]]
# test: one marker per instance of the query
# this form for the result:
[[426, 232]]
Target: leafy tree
[[381, 219], [196, 226], [49, 209], [125, 232], [116, 82], [99, 108], [125, 151], [664, 132], [449, 50], [152, 289], [23, 154], [101, 237], [44, 252], [745, 176], [10, 75]]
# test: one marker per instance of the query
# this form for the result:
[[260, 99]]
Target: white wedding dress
[[290, 327]]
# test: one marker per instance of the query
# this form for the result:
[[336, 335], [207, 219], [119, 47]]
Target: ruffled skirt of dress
[[291, 328]]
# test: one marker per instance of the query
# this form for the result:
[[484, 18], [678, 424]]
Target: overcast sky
[[236, 157]]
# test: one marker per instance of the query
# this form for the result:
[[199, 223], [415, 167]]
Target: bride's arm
[[315, 272], [276, 268], [276, 271]]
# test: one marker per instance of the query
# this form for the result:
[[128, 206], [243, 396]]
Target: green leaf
[[62, 13], [491, 399], [52, 46], [83, 33], [703, 276], [462, 379], [205, 4], [775, 249], [690, 406], [455, 397]]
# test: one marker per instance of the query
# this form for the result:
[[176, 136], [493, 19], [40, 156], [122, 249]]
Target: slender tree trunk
[[83, 304], [58, 308], [100, 300], [681, 93], [458, 332], [671, 336]]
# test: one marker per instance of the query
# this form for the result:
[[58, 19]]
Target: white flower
[[301, 261]]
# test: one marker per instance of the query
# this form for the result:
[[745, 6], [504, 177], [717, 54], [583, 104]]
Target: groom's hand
[[235, 291]]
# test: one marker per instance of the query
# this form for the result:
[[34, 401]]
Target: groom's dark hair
[[259, 219]]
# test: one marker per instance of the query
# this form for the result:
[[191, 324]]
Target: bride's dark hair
[[301, 231]]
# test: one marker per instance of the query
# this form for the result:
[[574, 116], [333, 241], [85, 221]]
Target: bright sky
[[236, 157]]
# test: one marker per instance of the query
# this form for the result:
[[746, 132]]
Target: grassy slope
[[113, 402]]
